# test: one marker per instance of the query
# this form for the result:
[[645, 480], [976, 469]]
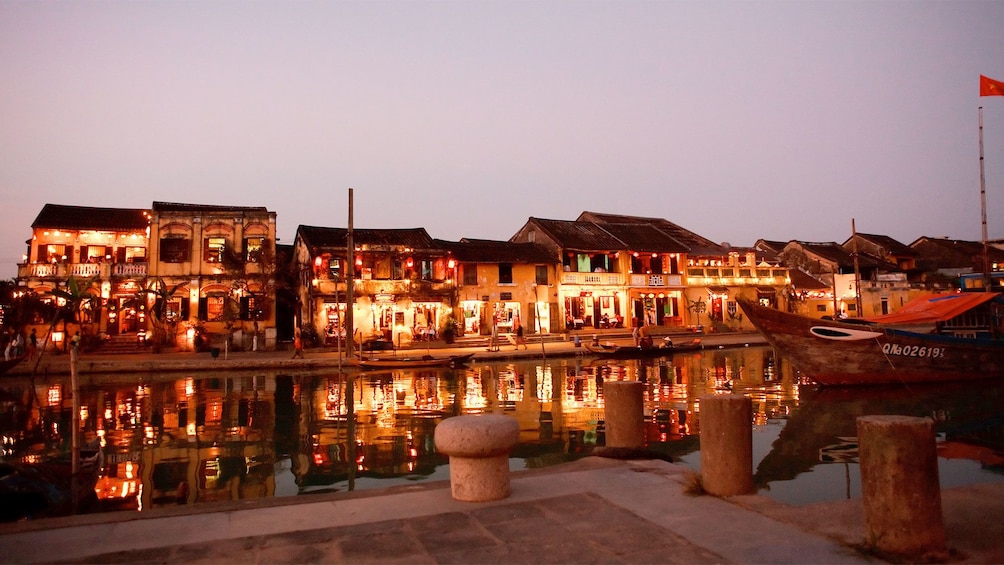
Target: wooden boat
[[8, 364], [35, 490], [920, 343], [411, 362], [666, 348]]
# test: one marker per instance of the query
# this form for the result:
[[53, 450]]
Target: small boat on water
[[935, 338], [8, 364], [613, 351], [36, 490], [413, 362]]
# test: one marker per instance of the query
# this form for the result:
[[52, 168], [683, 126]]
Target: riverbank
[[329, 358]]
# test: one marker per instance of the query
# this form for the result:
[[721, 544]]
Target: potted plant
[[450, 329]]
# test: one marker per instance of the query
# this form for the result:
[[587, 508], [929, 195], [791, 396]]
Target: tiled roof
[[940, 253], [90, 218], [835, 253], [696, 244], [645, 238], [204, 208], [335, 238], [890, 245], [579, 236], [800, 280], [491, 251]]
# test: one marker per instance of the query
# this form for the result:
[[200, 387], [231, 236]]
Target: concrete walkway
[[591, 511]]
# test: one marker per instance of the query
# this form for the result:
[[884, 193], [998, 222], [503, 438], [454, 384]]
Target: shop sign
[[505, 296]]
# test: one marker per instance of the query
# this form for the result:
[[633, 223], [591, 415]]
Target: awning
[[718, 289], [766, 291], [934, 308]]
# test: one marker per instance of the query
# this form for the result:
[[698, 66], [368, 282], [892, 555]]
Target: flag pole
[[983, 211]]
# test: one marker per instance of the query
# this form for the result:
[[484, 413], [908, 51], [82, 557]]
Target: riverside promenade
[[594, 510]]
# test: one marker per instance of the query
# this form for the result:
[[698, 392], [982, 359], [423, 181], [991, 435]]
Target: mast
[[857, 271], [350, 267], [983, 210]]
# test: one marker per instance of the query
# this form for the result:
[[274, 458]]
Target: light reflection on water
[[184, 440]]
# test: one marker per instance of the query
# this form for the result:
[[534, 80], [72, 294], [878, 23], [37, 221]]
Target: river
[[175, 439]]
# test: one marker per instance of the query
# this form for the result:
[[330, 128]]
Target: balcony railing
[[592, 278], [129, 270], [656, 281], [81, 270]]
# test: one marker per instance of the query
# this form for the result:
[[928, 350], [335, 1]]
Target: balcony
[[129, 270], [656, 281], [586, 279]]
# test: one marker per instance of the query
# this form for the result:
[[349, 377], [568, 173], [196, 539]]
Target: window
[[214, 308], [54, 253], [540, 274], [131, 255], [213, 251], [505, 273], [94, 253], [174, 250], [252, 308], [252, 249], [470, 271]]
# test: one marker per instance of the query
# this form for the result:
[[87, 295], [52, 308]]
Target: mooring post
[[623, 409], [726, 428], [900, 486]]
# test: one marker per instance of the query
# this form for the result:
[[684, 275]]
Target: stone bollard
[[624, 413], [478, 447], [726, 445], [900, 486]]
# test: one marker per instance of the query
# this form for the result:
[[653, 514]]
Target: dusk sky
[[736, 120]]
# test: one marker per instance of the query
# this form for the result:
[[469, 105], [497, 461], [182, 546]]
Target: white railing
[[656, 281], [85, 270], [129, 270], [592, 278]]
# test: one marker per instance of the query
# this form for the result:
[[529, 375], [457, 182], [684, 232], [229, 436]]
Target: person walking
[[297, 345], [520, 340], [32, 344]]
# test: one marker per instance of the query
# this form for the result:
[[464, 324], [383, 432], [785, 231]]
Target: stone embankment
[[559, 345]]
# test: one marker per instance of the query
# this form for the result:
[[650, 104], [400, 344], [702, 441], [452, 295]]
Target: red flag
[[991, 87]]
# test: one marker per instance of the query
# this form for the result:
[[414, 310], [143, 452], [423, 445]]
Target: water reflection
[[171, 440]]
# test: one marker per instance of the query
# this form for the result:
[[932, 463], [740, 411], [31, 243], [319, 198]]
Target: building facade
[[174, 271]]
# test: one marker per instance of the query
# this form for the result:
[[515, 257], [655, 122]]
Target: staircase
[[122, 343]]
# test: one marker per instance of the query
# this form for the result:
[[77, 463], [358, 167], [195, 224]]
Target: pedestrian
[[520, 340], [32, 344], [297, 345], [494, 344], [9, 350], [18, 344]]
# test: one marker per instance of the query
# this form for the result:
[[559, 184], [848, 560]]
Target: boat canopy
[[933, 308]]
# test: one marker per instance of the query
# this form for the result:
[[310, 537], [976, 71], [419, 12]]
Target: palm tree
[[162, 294], [75, 297]]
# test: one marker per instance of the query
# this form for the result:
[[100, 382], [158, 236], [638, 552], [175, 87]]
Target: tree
[[254, 276], [162, 294], [698, 307]]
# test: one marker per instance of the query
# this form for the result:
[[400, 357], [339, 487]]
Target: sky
[[736, 120]]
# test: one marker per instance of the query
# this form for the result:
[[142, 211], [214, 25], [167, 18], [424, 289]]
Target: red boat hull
[[836, 353]]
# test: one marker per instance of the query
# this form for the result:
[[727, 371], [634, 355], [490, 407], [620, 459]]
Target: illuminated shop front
[[596, 308], [658, 308]]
